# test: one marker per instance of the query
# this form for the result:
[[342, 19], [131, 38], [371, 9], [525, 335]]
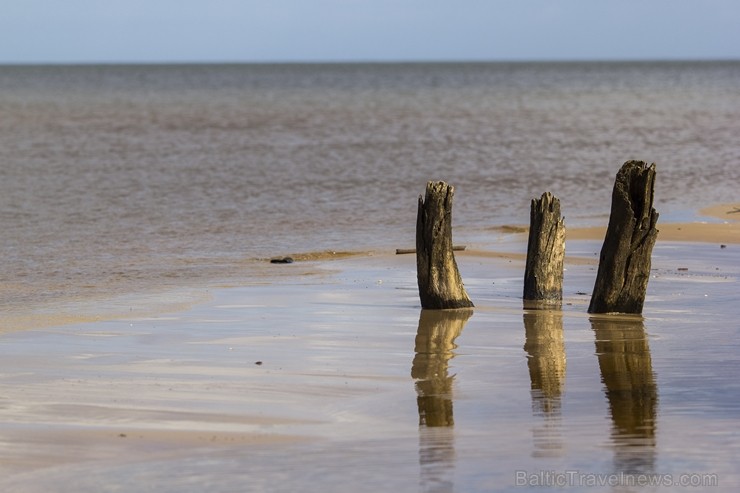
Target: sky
[[150, 31]]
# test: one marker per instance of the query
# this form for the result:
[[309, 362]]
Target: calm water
[[117, 179]]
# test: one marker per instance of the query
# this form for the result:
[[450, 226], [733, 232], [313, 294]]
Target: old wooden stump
[[440, 283], [543, 273], [624, 264]]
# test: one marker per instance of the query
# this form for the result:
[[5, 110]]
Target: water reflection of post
[[545, 349], [435, 343], [627, 373]]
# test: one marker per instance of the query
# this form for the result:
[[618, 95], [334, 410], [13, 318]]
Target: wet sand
[[324, 375]]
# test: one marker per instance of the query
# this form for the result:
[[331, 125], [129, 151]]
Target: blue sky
[[39, 31]]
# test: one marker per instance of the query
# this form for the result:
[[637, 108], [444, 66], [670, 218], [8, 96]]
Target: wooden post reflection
[[434, 346], [435, 342], [545, 347], [627, 372]]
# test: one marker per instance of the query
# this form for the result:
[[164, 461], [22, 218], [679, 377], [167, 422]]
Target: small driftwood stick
[[624, 265], [543, 274], [440, 283], [404, 251]]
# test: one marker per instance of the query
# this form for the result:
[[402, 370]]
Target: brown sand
[[727, 212], [694, 232], [727, 231]]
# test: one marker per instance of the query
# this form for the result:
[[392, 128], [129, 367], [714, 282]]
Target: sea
[[133, 178]]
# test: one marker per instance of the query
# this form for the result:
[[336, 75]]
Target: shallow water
[[370, 394], [125, 179]]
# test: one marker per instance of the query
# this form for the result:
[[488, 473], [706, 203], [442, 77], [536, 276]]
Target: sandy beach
[[312, 378]]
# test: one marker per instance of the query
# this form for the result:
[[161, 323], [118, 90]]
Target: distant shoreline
[[331, 63]]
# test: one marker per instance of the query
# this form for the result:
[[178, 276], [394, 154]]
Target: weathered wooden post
[[624, 265], [440, 283], [543, 273]]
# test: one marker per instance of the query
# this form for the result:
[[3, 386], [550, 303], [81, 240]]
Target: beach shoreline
[[722, 227]]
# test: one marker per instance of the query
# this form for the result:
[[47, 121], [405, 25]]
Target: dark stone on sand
[[281, 260]]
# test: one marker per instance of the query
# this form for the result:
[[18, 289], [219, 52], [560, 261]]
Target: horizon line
[[379, 61]]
